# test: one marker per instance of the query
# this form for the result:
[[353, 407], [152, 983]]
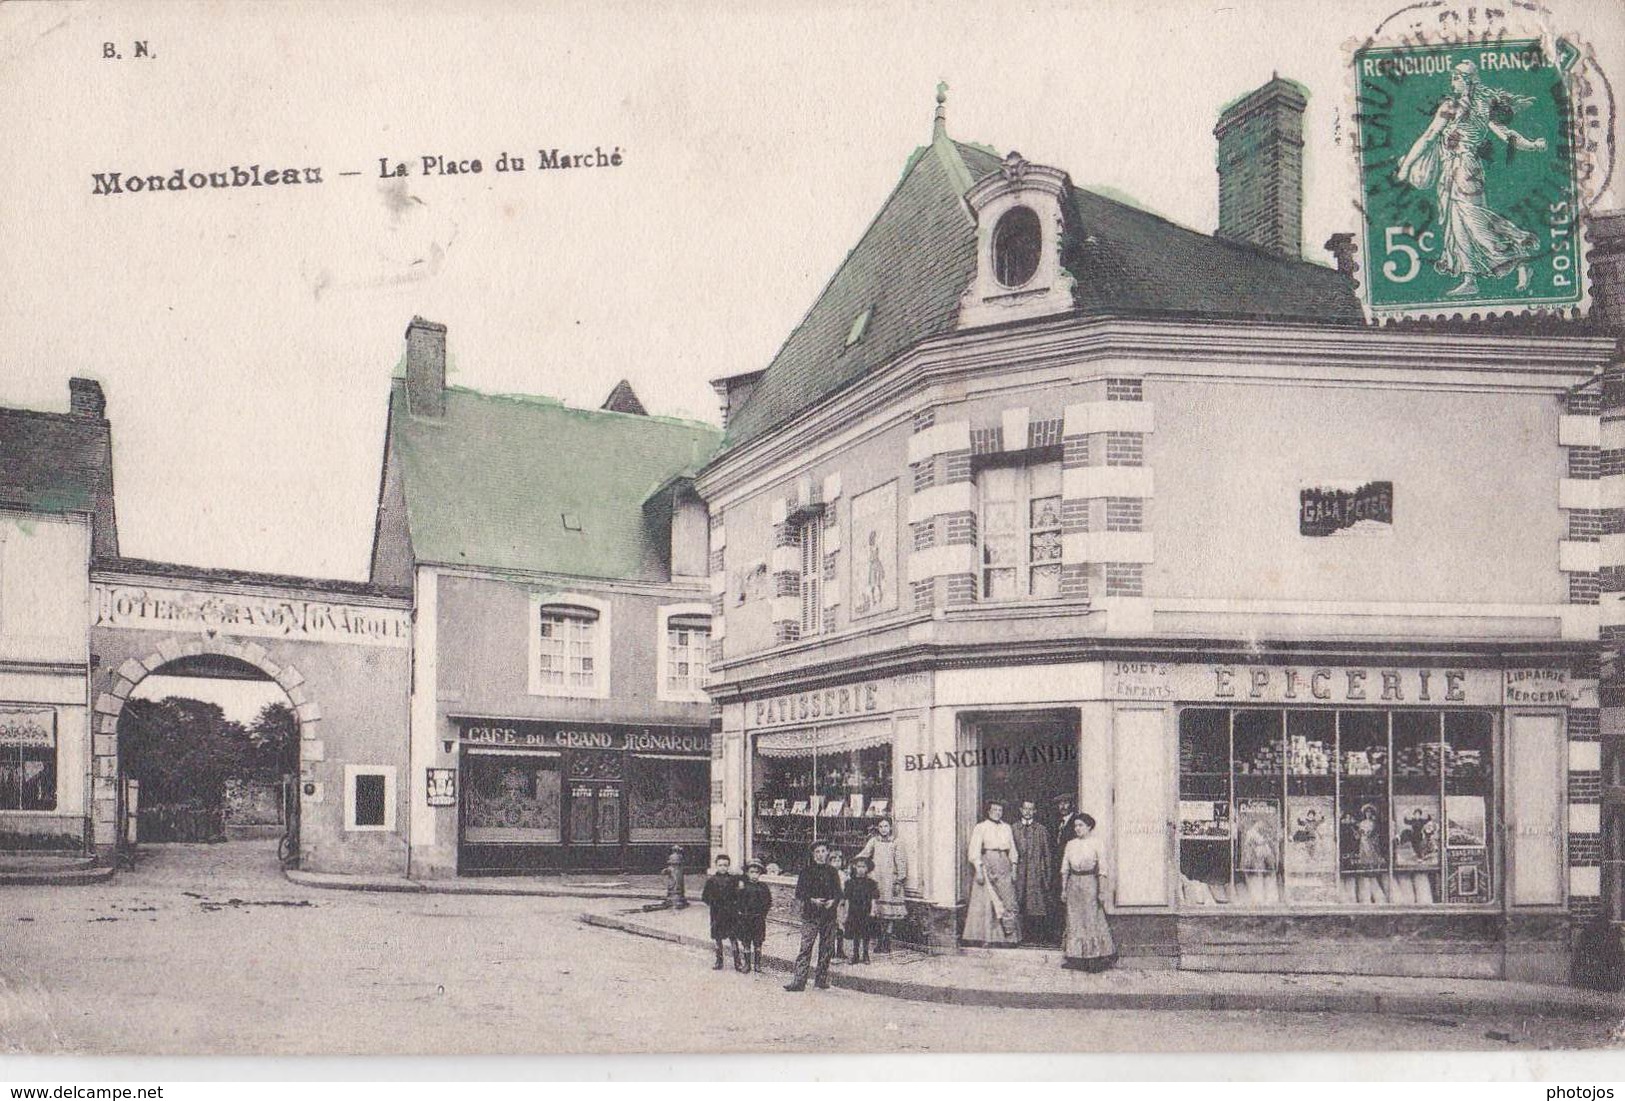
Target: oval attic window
[[1017, 239]]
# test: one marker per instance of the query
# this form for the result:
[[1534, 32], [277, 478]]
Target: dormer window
[[1018, 239], [1021, 212]]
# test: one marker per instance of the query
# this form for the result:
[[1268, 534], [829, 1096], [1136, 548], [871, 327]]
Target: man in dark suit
[[819, 890]]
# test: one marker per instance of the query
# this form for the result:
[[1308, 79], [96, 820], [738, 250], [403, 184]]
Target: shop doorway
[[1030, 757]]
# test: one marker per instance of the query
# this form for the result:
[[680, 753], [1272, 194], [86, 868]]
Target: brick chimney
[[426, 368], [1261, 167], [1607, 232], [85, 399]]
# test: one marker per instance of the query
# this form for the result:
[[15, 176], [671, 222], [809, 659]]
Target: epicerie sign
[[162, 609], [1286, 684], [538, 736]]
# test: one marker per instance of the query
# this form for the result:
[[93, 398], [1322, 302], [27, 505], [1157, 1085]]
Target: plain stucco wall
[[1476, 517]]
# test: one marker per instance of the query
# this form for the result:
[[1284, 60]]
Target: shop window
[[683, 664], [1309, 808], [830, 784], [670, 799], [1021, 531], [570, 647], [369, 797], [27, 759], [512, 798]]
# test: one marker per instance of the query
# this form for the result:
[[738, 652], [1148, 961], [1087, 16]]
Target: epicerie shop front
[[1405, 819]]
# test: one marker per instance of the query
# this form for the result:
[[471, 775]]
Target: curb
[[73, 877], [327, 882], [1389, 1004]]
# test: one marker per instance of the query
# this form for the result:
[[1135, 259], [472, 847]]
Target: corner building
[[1048, 498]]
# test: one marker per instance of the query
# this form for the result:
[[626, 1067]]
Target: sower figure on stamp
[[1449, 157], [721, 894], [1034, 859], [755, 900], [819, 890]]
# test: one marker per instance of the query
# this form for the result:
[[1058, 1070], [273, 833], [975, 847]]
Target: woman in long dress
[[992, 917], [890, 863], [1448, 157], [1088, 945]]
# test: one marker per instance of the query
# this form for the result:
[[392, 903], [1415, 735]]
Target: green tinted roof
[[526, 483]]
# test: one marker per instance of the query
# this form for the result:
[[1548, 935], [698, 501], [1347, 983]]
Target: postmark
[[1470, 174]]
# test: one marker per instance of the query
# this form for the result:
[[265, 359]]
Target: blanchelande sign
[[188, 610]]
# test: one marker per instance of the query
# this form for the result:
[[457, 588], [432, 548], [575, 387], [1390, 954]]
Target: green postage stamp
[[1469, 184]]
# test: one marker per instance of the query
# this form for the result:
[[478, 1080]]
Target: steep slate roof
[[491, 483], [919, 254], [59, 462]]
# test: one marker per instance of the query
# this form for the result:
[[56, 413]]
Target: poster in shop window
[[874, 551], [1311, 849], [1465, 821], [1258, 852], [1363, 836], [1468, 879], [1204, 818], [1418, 831]]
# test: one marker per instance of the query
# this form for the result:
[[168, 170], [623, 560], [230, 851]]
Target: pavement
[[648, 887], [209, 950], [1034, 979]]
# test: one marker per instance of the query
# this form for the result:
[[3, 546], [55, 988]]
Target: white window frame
[[1024, 564], [663, 691], [600, 647], [351, 773]]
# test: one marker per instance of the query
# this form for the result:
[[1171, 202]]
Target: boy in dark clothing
[[721, 894], [819, 890], [755, 900], [861, 893]]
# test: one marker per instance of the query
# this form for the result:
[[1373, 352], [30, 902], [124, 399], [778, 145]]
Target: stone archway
[[109, 706]]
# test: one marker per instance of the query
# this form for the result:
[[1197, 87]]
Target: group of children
[[739, 911]]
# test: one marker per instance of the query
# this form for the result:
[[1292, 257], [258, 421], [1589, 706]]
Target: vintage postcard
[[812, 529]]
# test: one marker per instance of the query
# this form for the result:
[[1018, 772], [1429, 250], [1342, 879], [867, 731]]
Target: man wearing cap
[[819, 890]]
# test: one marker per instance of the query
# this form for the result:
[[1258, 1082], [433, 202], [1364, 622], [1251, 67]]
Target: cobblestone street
[[207, 949]]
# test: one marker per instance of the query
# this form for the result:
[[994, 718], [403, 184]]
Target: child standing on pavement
[[859, 903], [755, 900], [837, 860], [721, 896]]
